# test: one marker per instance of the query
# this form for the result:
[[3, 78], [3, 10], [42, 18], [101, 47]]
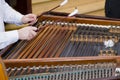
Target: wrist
[[23, 19]]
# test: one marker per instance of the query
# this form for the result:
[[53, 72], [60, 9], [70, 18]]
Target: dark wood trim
[[23, 6], [56, 61]]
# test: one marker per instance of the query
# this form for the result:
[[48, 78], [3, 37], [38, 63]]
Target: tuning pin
[[76, 37], [101, 53], [72, 38]]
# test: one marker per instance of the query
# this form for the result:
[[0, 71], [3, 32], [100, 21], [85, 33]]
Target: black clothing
[[112, 8]]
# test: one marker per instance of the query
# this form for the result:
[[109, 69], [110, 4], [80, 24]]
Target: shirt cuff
[[19, 19], [12, 36], [8, 38]]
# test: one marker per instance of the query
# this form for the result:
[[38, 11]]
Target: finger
[[32, 22], [33, 33], [31, 19], [32, 16], [33, 28], [30, 37]]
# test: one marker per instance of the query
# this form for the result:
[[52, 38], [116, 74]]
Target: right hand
[[27, 33], [29, 18]]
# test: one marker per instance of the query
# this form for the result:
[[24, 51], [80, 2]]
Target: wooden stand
[[3, 74]]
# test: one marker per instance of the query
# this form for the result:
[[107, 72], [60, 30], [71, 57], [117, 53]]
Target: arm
[[7, 38], [10, 15]]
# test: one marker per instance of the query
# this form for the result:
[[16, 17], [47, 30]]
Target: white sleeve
[[7, 38], [11, 15]]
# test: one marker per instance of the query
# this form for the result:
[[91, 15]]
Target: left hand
[[29, 18]]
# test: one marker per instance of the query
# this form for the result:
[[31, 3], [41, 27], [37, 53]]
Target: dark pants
[[112, 8]]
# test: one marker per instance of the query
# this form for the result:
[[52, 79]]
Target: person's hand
[[29, 18], [27, 33]]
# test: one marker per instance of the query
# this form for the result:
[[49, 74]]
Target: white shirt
[[8, 15]]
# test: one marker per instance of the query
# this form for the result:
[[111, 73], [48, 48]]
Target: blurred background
[[91, 7]]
